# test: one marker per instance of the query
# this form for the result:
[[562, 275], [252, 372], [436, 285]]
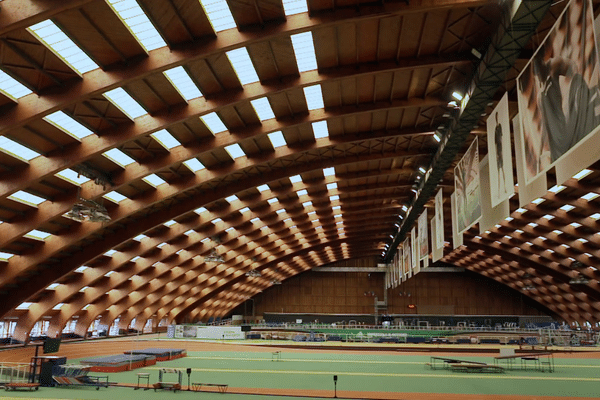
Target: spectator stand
[[168, 385], [77, 375]]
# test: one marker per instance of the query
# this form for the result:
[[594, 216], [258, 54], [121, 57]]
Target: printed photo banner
[[558, 91], [423, 245], [406, 257], [466, 189], [439, 221], [502, 185], [413, 251]]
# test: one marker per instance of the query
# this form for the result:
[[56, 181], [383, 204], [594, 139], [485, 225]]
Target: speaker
[[246, 328], [189, 371]]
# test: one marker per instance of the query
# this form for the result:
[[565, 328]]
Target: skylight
[[273, 200], [114, 196], [229, 229], [231, 198], [557, 188], [138, 23], [189, 232], [263, 109], [38, 235], [548, 217], [253, 220], [538, 201], [170, 223], [302, 192], [11, 87], [17, 150], [140, 237], [24, 306], [193, 164], [567, 207], [68, 125], [161, 245], [54, 38], [590, 196], [165, 139], [314, 97], [124, 102], [331, 186], [521, 210], [244, 210], [304, 49], [295, 179], [333, 198], [291, 7], [595, 216], [575, 225], [71, 176], [5, 256], [81, 269], [216, 220], [557, 232], [277, 139], [582, 174], [307, 204], [200, 210], [242, 65], [328, 171], [218, 14], [532, 224], [582, 240], [118, 157], [213, 123], [153, 180], [180, 79], [109, 253], [235, 151], [26, 198], [262, 188], [52, 286], [320, 129]]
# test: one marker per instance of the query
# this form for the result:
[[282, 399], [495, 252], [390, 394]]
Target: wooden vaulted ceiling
[[386, 71]]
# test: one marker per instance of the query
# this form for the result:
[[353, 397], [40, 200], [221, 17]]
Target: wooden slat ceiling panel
[[154, 93], [179, 21], [35, 66], [5, 100], [255, 12], [98, 30], [220, 69], [97, 114]]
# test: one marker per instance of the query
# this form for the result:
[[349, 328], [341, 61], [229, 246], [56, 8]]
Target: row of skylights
[[138, 23], [314, 97], [124, 102], [277, 139], [165, 139], [263, 108], [320, 129], [213, 123], [291, 7], [200, 210], [193, 164], [231, 198], [140, 237], [302, 192], [153, 180], [68, 125], [304, 49], [244, 210], [118, 157], [242, 65], [218, 14], [17, 150], [180, 79], [11, 87], [26, 198], [235, 151], [48, 33], [332, 186]]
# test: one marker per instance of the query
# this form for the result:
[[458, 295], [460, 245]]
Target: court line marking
[[468, 376]]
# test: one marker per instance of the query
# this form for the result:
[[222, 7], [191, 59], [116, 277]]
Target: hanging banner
[[558, 91], [499, 151], [439, 220], [490, 216], [466, 188], [413, 251], [457, 238], [436, 253], [406, 256], [527, 191], [422, 226]]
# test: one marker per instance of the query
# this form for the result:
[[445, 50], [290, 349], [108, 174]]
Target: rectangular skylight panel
[[242, 65], [304, 49], [328, 171], [17, 150], [52, 286], [109, 253], [295, 179], [595, 216], [567, 207], [118, 157], [231, 198], [170, 223], [263, 109], [332, 186], [26, 198], [280, 211], [235, 151], [54, 38], [138, 23], [307, 203], [200, 210], [193, 164], [68, 125], [153, 180], [273, 200], [291, 7], [190, 232], [575, 225], [114, 196], [216, 220], [72, 176], [253, 220], [24, 306], [213, 123], [38, 235], [334, 198], [590, 196], [5, 256], [180, 79], [302, 192], [124, 102], [557, 188], [140, 237], [320, 129], [314, 97], [11, 87], [244, 210], [262, 188], [582, 174], [277, 139], [538, 201], [165, 139], [218, 14]]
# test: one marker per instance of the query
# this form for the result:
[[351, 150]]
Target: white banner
[[423, 240], [220, 332], [499, 154], [439, 221]]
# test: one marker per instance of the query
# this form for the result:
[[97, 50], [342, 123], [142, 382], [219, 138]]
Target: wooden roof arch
[[386, 70]]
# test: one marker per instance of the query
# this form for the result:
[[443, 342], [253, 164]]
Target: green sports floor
[[311, 374]]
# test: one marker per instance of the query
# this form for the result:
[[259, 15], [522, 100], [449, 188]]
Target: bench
[[21, 385], [197, 387], [174, 386]]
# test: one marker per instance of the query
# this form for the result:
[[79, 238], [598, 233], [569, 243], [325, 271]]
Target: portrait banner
[[490, 215], [457, 238], [422, 227], [534, 189], [558, 91], [413, 250], [466, 189], [439, 220], [436, 253], [502, 185], [406, 256]]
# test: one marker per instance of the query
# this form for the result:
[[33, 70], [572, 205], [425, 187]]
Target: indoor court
[[250, 370]]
